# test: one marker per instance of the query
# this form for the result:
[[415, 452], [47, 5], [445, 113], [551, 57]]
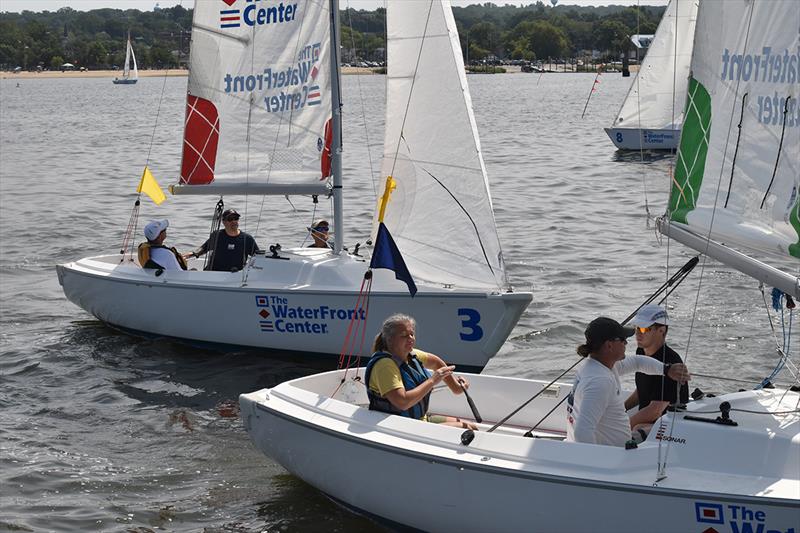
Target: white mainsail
[[258, 98], [738, 171], [656, 97], [440, 214]]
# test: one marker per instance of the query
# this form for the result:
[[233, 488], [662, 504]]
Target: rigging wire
[[639, 117]]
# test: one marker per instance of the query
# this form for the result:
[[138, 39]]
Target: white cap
[[649, 315], [154, 228]]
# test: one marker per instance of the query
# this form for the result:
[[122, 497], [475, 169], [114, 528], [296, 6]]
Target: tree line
[[96, 39]]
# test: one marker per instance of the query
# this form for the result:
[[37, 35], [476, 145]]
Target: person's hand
[[440, 373], [679, 372], [187, 255], [463, 382]]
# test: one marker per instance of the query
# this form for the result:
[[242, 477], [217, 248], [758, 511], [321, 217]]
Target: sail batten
[[739, 189]]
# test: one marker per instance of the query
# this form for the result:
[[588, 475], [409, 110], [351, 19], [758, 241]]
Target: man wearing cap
[[595, 408], [153, 253], [229, 247], [653, 393], [319, 231]]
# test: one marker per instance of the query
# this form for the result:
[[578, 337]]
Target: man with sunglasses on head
[[653, 394], [229, 247], [595, 408]]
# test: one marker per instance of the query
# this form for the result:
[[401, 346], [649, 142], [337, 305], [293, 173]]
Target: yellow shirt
[[386, 376]]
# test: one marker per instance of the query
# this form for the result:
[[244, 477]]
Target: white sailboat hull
[[729, 479], [644, 139], [303, 303]]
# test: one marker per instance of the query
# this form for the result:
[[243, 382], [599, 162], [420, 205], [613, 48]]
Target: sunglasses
[[231, 219], [620, 339], [321, 228], [645, 330]]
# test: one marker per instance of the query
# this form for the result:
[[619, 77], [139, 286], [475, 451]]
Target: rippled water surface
[[101, 431]]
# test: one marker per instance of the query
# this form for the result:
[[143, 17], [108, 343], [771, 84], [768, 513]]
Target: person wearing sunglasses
[[319, 232], [595, 407], [653, 394], [229, 247]]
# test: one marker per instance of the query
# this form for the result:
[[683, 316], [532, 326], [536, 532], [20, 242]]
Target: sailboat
[[650, 116], [729, 463], [128, 77], [271, 74]]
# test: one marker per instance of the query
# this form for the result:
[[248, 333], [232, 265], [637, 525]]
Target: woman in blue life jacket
[[398, 377]]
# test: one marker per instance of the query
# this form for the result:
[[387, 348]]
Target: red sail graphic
[[325, 160], [200, 139]]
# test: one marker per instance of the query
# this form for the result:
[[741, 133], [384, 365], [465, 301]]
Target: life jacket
[[413, 375], [143, 253]]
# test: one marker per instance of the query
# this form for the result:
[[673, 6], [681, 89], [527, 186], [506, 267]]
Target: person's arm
[[434, 362], [649, 414], [199, 252], [649, 365], [403, 399], [594, 401], [632, 401]]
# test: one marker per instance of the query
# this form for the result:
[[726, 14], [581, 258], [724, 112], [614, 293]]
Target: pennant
[[387, 255], [150, 187]]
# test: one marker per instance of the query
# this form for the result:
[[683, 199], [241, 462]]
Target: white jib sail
[[441, 214], [657, 95], [259, 93], [739, 185], [133, 60]]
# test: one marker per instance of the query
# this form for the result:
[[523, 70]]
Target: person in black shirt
[[653, 393], [230, 247]]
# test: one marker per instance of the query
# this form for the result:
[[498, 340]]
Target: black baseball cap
[[230, 213], [603, 329]]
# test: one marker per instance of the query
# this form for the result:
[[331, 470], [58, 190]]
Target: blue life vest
[[413, 374]]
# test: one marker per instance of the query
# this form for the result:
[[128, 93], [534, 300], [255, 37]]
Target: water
[[106, 432]]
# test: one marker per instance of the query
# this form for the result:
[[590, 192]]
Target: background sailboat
[[262, 118], [651, 114], [129, 76]]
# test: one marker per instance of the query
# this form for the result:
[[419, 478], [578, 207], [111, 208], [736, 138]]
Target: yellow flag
[[149, 186], [387, 191]]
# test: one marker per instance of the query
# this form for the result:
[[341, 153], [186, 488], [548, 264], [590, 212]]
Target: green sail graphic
[[692, 153], [794, 220]]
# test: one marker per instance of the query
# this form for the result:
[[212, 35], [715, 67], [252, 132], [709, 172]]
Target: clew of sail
[[258, 98], [656, 98], [735, 186], [440, 214]]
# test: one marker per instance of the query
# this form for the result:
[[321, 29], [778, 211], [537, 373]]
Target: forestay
[[441, 212], [656, 98], [258, 97], [738, 186]]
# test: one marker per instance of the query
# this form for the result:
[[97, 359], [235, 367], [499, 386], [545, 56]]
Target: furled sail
[[656, 97], [738, 168], [440, 214], [258, 98]]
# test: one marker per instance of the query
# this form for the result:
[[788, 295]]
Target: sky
[[145, 5]]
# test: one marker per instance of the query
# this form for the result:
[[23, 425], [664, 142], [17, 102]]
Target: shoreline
[[158, 73]]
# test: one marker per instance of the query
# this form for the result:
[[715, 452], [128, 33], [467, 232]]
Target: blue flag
[[387, 255]]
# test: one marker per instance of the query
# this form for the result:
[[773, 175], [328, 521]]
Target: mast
[[336, 128]]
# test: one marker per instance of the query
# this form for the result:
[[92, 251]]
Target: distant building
[[157, 8]]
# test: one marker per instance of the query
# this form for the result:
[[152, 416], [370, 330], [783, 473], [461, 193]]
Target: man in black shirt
[[230, 247], [654, 393]]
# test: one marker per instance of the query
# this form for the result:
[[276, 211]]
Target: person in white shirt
[[595, 407], [153, 253]]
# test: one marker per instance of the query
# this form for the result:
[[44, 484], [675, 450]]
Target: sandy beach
[[116, 73]]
